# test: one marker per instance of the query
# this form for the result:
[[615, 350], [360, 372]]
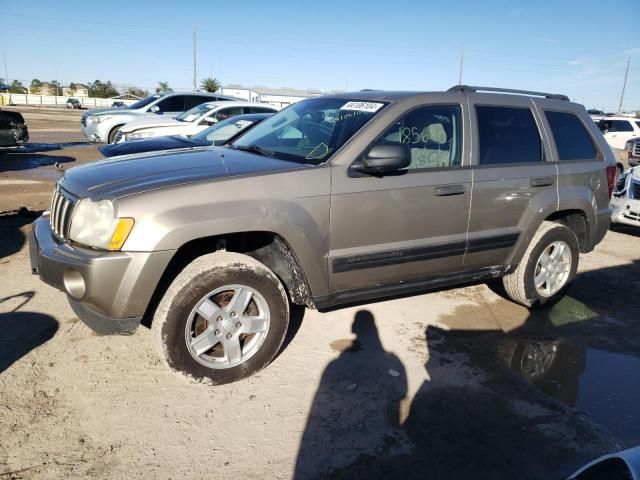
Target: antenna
[[461, 65], [194, 56], [624, 84]]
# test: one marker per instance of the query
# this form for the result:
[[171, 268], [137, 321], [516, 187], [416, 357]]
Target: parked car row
[[103, 124], [218, 134]]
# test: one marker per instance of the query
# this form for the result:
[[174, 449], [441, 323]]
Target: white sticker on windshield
[[370, 107]]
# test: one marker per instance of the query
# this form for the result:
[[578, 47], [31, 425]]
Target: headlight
[[628, 146], [139, 135], [97, 118], [94, 224]]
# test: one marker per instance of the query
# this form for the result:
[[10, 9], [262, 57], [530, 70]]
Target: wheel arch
[[267, 247]]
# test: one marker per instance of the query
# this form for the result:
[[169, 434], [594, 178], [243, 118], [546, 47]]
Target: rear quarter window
[[572, 139]]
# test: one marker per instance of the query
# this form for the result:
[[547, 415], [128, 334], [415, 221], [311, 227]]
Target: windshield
[[144, 102], [219, 133], [195, 112], [309, 131]]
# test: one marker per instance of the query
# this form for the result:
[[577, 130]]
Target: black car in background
[[13, 129], [218, 134], [74, 103]]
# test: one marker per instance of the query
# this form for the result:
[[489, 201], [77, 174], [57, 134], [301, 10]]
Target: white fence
[[52, 100]]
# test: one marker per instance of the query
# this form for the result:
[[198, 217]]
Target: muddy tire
[[547, 268], [223, 318], [113, 132]]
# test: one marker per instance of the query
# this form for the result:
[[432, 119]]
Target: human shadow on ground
[[22, 332], [12, 239], [357, 402], [496, 404]]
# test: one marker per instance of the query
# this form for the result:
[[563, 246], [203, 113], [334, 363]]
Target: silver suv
[[102, 124], [333, 200]]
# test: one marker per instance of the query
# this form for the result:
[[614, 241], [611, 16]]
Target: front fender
[[167, 219]]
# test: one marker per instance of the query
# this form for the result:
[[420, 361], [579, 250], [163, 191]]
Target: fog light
[[73, 283]]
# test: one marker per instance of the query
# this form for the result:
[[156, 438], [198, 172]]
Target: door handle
[[447, 190], [541, 181]]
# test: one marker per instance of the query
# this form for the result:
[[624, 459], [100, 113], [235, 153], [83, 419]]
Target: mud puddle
[[602, 385]]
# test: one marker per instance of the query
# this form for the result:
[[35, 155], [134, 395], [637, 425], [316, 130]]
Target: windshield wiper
[[252, 148]]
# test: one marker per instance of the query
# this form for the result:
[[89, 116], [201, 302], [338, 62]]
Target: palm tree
[[210, 85], [163, 87]]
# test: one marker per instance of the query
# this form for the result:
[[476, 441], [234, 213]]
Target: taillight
[[611, 179]]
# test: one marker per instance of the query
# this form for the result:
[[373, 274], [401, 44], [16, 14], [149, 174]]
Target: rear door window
[[572, 139], [174, 103], [508, 135], [225, 113], [191, 101]]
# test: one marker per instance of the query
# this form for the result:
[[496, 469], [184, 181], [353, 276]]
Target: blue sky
[[578, 48]]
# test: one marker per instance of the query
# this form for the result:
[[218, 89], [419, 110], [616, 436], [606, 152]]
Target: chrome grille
[[636, 149], [60, 213], [634, 188]]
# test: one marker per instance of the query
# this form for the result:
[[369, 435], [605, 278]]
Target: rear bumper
[[109, 291]]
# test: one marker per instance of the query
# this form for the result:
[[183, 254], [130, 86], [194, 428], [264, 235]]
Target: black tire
[[113, 132], [195, 282], [519, 285]]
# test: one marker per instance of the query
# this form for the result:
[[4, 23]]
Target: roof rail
[[469, 88]]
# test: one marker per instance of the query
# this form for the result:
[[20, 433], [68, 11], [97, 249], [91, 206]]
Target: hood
[[116, 111], [131, 174], [151, 145], [152, 121]]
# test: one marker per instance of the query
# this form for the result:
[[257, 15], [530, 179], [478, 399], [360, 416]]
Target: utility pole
[[194, 56], [461, 65], [6, 75], [624, 84]]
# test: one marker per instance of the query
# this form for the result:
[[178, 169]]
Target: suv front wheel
[[547, 268], [223, 318]]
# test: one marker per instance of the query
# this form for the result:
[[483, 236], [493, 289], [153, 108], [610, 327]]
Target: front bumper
[[93, 133], [109, 291], [626, 211]]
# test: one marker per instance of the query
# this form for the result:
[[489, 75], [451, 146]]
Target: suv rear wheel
[[223, 318], [547, 268]]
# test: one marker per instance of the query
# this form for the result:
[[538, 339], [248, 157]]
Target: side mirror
[[384, 159], [210, 121], [154, 109]]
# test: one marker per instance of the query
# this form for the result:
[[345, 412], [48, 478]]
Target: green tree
[[138, 92], [17, 87], [57, 90], [72, 89], [35, 87], [101, 89], [163, 87], [210, 85]]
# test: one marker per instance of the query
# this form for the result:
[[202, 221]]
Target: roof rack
[[469, 88]]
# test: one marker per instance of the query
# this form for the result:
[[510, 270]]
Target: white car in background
[[190, 122], [625, 200], [617, 130]]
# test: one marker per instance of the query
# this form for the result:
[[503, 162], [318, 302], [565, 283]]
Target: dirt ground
[[456, 383]]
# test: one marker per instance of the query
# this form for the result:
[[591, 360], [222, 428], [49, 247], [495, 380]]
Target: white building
[[279, 97]]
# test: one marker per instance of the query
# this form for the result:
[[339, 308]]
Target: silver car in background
[[102, 124]]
